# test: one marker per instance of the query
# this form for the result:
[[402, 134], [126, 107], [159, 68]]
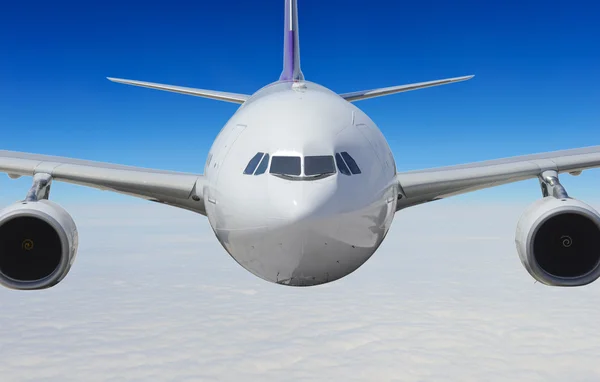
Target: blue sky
[[536, 86]]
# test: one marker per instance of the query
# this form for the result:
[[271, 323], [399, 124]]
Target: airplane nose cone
[[297, 201], [311, 233], [304, 244]]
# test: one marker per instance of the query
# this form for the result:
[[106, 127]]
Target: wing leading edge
[[174, 188], [439, 183]]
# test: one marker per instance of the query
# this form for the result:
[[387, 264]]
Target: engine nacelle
[[38, 244], [558, 241]]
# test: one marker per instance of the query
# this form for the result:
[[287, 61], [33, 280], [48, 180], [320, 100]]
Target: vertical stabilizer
[[291, 44]]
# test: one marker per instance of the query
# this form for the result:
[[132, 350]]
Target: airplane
[[300, 187]]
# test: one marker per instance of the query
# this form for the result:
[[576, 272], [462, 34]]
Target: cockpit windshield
[[351, 163], [262, 167], [290, 166], [253, 163], [319, 165]]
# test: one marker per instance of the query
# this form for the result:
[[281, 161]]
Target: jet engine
[[558, 240], [38, 244]]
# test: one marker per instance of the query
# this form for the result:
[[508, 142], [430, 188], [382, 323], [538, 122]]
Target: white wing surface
[[178, 189], [433, 184]]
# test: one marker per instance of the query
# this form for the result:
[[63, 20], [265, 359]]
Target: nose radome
[[300, 201], [309, 238], [291, 253]]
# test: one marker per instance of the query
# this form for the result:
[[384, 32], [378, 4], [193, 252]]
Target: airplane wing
[[366, 94], [438, 183], [178, 189]]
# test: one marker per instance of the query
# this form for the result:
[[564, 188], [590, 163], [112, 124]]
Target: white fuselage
[[300, 230]]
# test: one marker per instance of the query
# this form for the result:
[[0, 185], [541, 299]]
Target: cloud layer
[[152, 296]]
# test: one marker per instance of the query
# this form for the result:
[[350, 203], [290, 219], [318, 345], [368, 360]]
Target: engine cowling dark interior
[[30, 249], [567, 245]]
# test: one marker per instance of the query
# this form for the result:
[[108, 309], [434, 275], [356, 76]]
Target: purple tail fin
[[291, 44]]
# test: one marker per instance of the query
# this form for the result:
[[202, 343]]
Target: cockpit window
[[285, 166], [253, 163], [262, 167], [341, 165], [319, 165], [351, 163], [315, 167]]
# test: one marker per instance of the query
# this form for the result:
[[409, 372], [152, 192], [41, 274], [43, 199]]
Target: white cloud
[[152, 296]]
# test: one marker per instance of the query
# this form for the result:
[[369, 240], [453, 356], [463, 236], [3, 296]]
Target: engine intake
[[558, 241], [38, 244]]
